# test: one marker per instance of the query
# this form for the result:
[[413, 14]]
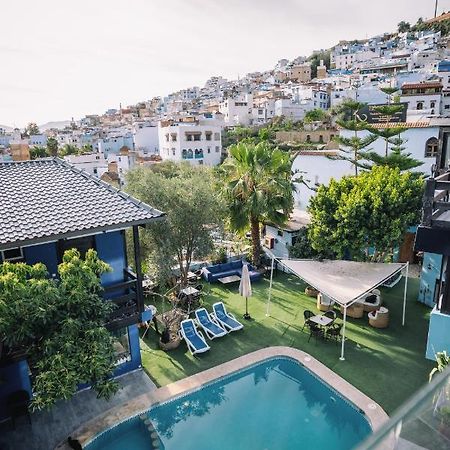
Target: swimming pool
[[274, 404]]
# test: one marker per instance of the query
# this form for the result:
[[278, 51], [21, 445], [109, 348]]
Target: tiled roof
[[427, 85], [49, 199]]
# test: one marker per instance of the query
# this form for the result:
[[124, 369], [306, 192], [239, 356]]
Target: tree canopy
[[257, 188], [59, 325], [194, 210], [372, 210]]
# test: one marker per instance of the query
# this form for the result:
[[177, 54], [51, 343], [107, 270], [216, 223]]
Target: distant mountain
[[57, 124], [6, 128]]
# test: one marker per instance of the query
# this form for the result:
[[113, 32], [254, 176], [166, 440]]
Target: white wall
[[146, 139], [317, 169], [172, 149]]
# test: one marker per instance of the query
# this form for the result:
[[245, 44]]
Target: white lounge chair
[[208, 323], [226, 319], [194, 338]]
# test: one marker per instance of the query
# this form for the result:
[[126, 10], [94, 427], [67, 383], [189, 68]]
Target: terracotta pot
[[311, 292], [171, 345]]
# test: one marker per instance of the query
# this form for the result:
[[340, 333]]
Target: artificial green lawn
[[388, 365]]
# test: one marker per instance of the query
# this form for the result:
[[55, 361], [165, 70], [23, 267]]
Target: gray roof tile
[[50, 198]]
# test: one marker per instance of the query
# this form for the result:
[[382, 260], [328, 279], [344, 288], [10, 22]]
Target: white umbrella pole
[[342, 358], [270, 287], [404, 294]]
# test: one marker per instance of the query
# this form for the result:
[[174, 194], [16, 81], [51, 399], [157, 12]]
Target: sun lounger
[[210, 327], [194, 338], [226, 319]]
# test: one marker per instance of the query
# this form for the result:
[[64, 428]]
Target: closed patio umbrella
[[245, 288]]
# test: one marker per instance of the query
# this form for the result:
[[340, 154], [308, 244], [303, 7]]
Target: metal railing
[[436, 201]]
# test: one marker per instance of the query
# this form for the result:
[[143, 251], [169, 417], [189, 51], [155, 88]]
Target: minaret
[[321, 70]]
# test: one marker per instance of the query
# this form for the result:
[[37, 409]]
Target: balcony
[[433, 234], [126, 298]]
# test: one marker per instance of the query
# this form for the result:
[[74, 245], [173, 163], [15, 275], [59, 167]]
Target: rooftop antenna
[[435, 8]]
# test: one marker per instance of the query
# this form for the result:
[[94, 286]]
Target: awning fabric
[[343, 281]]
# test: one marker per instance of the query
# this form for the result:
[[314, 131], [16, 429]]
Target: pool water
[[274, 405]]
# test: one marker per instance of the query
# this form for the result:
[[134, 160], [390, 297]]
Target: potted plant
[[442, 400], [170, 339]]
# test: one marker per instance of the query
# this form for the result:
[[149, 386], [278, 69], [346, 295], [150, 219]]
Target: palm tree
[[258, 188]]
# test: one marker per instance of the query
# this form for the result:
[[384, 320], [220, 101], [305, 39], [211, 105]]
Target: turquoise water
[[274, 405]]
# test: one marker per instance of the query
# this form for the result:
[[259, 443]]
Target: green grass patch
[[388, 365]]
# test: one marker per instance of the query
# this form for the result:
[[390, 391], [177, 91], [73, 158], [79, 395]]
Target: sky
[[60, 59]]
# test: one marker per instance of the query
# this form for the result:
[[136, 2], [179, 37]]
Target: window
[[173, 152], [13, 254], [197, 137], [82, 244], [121, 344], [431, 147], [209, 149], [217, 149], [320, 139], [167, 137], [174, 137], [280, 233], [432, 104], [308, 138], [419, 105], [208, 135]]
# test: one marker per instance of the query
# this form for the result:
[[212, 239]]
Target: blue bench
[[213, 273]]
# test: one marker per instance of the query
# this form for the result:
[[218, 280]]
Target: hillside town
[[255, 263], [189, 125]]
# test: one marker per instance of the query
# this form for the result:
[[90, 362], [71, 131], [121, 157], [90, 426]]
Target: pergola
[[345, 282]]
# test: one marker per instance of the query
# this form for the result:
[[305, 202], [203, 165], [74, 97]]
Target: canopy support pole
[[342, 358], [404, 294], [270, 287]]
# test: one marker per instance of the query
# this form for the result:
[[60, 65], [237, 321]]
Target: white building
[[287, 108], [424, 99], [346, 61], [237, 110], [279, 239], [145, 138], [193, 139], [37, 139], [318, 167]]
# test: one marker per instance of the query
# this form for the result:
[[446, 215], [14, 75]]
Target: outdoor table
[[321, 320], [189, 291], [230, 279]]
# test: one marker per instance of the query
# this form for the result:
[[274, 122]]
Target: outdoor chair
[[371, 301], [194, 338], [307, 314], [331, 314], [225, 319], [334, 332], [356, 311], [209, 325], [324, 303], [315, 330], [380, 318]]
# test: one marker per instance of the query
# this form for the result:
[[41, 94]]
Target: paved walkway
[[49, 428]]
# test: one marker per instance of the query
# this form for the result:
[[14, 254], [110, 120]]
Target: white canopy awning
[[343, 281]]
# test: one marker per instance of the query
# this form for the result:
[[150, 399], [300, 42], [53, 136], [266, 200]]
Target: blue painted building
[[433, 237], [47, 207]]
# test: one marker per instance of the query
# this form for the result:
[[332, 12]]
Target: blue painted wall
[[135, 363], [44, 253], [111, 249], [14, 378], [431, 269], [438, 335]]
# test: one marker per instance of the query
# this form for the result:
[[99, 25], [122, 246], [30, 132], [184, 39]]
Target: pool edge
[[375, 415]]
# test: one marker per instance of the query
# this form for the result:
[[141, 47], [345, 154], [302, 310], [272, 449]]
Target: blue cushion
[[236, 264]]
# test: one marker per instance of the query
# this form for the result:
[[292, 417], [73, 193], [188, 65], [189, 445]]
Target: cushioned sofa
[[213, 273]]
